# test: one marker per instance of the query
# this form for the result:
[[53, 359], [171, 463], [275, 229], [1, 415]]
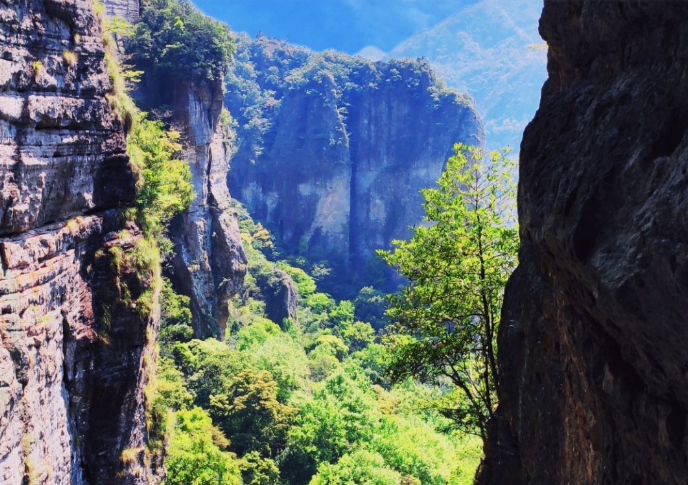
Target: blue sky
[[345, 25]]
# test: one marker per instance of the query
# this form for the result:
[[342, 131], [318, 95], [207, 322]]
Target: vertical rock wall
[[594, 336], [209, 263], [71, 371], [333, 150]]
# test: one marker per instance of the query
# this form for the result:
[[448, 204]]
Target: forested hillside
[[490, 49]]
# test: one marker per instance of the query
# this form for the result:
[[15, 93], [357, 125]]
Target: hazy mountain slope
[[486, 50]]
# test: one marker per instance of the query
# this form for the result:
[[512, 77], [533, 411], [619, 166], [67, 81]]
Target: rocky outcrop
[[593, 337], [71, 352], [352, 143], [127, 9], [209, 263], [280, 295]]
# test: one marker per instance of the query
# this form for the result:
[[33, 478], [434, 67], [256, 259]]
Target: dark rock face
[[332, 151], [593, 340], [71, 380], [280, 295], [209, 263]]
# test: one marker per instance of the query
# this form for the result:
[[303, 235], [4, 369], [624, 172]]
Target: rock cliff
[[72, 353], [209, 263], [593, 341], [352, 142]]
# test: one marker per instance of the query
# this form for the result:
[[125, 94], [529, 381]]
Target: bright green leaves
[[194, 452], [445, 321], [165, 187], [178, 39]]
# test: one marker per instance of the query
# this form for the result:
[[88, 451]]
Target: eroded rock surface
[[594, 336], [71, 379], [280, 295]]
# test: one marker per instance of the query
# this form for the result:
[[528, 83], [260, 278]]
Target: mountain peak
[[372, 53]]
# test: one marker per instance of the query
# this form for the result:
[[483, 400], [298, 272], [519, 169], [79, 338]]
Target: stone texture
[[593, 339], [129, 10], [209, 264], [352, 142], [52, 115], [280, 295], [71, 381]]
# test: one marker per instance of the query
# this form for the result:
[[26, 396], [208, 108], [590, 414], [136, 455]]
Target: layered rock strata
[[593, 339], [72, 369]]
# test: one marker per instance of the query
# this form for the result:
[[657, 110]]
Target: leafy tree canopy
[[445, 321], [179, 40]]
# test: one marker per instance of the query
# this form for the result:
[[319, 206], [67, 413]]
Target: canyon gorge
[[275, 285]]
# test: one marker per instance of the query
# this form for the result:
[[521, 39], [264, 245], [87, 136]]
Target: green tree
[[445, 320], [362, 467], [320, 302], [178, 40], [194, 454], [259, 471], [342, 314], [248, 411], [357, 335], [370, 307], [340, 414]]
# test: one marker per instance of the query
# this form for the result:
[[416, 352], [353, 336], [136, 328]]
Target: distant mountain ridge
[[333, 150], [487, 50]]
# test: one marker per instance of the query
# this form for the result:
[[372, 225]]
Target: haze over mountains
[[490, 49], [493, 51]]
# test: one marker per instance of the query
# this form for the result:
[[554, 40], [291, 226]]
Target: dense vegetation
[[297, 402], [177, 39], [334, 395]]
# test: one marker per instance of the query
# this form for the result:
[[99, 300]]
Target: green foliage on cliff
[[445, 321], [165, 187], [179, 40], [305, 402]]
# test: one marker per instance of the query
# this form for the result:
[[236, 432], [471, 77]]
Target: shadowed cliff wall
[[593, 340]]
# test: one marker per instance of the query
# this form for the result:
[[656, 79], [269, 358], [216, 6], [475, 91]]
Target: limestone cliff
[[72, 353], [593, 342], [333, 150]]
